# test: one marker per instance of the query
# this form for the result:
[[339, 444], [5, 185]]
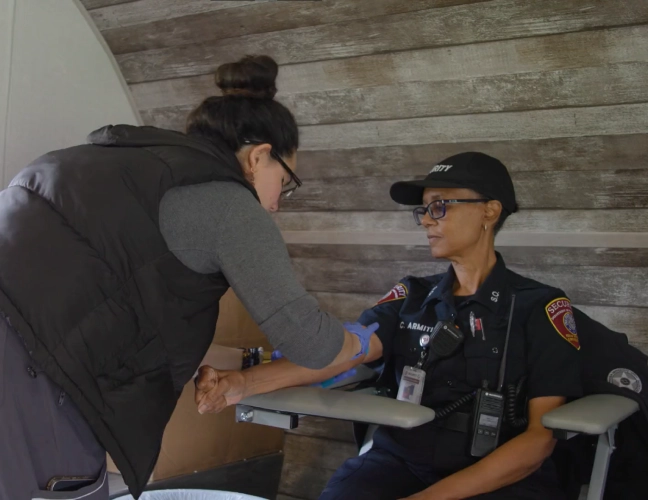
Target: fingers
[[206, 380], [214, 401], [373, 327]]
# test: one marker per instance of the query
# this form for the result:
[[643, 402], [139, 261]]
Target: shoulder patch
[[399, 292], [561, 316]]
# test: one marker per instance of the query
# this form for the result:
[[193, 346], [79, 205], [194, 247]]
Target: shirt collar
[[491, 294]]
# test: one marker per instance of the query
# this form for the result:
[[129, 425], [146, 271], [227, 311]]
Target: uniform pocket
[[96, 491], [483, 360]]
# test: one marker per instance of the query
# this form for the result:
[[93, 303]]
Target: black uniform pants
[[380, 475]]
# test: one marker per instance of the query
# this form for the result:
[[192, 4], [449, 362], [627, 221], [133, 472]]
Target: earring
[[485, 227]]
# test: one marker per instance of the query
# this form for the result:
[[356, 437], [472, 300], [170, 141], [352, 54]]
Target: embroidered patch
[[397, 293], [562, 318], [627, 379]]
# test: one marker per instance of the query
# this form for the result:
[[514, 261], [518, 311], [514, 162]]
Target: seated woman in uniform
[[465, 200]]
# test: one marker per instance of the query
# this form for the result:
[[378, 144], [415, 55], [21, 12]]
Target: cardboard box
[[194, 442]]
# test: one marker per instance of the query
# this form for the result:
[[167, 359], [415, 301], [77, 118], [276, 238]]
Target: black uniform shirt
[[543, 348]]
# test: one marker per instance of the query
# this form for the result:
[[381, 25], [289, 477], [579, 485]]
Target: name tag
[[411, 385]]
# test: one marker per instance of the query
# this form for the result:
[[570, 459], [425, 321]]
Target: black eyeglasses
[[294, 183], [437, 209]]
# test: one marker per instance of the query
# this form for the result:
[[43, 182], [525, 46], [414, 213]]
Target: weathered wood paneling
[[299, 449], [337, 430], [311, 462], [622, 119], [604, 152], [588, 285], [613, 84], [148, 11], [619, 45], [427, 28], [304, 482], [535, 221], [603, 85], [279, 17], [514, 256], [543, 124], [534, 190]]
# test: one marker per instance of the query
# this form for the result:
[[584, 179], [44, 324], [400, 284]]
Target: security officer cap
[[477, 171]]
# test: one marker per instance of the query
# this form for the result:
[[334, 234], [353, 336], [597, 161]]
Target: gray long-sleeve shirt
[[221, 227]]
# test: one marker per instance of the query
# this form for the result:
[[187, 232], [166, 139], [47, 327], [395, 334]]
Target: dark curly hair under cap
[[247, 109]]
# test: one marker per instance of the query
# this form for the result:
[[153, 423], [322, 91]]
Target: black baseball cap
[[477, 171]]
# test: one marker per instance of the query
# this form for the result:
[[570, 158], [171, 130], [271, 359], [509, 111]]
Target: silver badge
[[472, 323], [424, 340], [622, 377]]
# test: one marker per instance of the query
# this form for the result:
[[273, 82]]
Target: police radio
[[488, 408]]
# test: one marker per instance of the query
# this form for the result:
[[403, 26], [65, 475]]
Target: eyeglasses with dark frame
[[437, 208], [286, 192]]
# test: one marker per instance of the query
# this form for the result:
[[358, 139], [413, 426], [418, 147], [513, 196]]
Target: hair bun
[[252, 76]]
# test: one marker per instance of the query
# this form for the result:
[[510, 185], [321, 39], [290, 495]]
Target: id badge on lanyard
[[412, 380]]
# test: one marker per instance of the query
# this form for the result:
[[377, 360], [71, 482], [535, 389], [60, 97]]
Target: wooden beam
[[586, 49], [187, 27], [365, 36], [542, 124]]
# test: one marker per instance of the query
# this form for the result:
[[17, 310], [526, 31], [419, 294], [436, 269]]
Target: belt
[[457, 421]]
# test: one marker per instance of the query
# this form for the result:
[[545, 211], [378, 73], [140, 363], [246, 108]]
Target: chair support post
[[604, 450]]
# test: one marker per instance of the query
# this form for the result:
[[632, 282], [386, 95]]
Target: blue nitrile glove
[[363, 334], [337, 378]]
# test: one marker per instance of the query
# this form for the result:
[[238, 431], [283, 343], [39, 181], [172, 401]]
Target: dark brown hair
[[247, 109]]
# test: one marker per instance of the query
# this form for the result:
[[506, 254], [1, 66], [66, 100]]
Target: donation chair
[[595, 415]]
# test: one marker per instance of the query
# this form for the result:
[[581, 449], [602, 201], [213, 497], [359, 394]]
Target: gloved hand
[[363, 333]]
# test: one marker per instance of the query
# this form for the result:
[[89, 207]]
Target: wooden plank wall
[[382, 89]]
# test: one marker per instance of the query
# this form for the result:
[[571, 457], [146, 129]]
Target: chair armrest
[[342, 405], [593, 414]]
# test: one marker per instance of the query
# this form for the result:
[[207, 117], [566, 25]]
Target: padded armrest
[[343, 406], [593, 414]]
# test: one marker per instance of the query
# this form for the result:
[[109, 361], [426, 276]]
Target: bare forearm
[[282, 373], [508, 464]]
